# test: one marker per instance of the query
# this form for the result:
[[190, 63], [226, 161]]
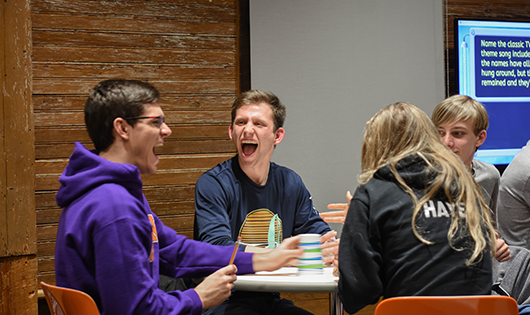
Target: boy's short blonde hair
[[461, 107]]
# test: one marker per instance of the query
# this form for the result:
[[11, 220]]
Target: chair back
[[63, 301], [448, 305]]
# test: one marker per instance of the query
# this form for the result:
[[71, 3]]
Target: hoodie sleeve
[[133, 285], [123, 274], [182, 257], [360, 261]]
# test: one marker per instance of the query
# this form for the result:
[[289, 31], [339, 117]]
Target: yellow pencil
[[235, 250]]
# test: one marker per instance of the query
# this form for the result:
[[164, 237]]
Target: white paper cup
[[310, 263]]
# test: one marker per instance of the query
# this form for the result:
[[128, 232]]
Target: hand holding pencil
[[217, 287], [236, 248]]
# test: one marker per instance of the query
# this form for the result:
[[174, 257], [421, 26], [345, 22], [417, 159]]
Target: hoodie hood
[[413, 169], [86, 170]]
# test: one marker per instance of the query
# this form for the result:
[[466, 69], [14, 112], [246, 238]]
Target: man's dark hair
[[111, 99]]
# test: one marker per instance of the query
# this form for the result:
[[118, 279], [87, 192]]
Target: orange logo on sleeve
[[154, 234]]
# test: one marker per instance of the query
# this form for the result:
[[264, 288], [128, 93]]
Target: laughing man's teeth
[[248, 142]]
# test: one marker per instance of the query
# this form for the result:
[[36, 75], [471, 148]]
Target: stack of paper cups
[[310, 263]]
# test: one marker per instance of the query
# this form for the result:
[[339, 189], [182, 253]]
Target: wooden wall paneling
[[18, 245], [76, 118], [150, 41], [147, 72], [18, 129], [50, 86], [169, 102], [19, 285], [186, 48], [3, 170], [198, 11], [132, 24]]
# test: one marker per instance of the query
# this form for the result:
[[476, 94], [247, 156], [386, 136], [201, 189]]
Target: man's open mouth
[[158, 145], [248, 147]]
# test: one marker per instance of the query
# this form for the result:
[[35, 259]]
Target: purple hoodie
[[112, 246]]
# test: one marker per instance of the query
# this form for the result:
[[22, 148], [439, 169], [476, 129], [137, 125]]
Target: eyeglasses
[[160, 119]]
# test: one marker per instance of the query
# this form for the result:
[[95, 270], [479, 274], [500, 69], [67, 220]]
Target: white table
[[287, 280]]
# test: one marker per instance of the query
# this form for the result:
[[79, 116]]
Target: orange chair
[[63, 301], [448, 305]]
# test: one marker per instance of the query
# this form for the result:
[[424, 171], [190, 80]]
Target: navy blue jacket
[[224, 196]]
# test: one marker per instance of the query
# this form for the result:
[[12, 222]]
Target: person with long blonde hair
[[417, 224]]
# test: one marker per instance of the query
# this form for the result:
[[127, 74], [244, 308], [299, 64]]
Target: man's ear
[[230, 131], [278, 135], [481, 138], [121, 128]]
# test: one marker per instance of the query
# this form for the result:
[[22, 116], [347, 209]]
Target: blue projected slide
[[494, 68]]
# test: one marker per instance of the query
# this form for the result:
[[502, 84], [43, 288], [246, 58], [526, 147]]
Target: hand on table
[[336, 268], [286, 254], [217, 287], [337, 216], [330, 247]]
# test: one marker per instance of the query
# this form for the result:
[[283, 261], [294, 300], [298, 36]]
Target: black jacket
[[380, 256]]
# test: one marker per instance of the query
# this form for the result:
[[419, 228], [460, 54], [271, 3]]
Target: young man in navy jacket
[[252, 197]]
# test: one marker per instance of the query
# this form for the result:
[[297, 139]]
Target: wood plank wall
[[18, 240], [185, 48]]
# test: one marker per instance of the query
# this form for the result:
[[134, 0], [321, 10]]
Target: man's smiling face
[[253, 134]]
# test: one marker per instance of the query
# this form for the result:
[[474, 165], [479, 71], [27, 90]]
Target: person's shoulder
[[370, 190], [522, 158], [108, 203], [220, 175], [285, 172], [519, 168], [113, 195], [483, 168], [221, 168], [383, 190], [378, 185]]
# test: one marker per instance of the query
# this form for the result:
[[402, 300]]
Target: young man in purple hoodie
[[109, 242]]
